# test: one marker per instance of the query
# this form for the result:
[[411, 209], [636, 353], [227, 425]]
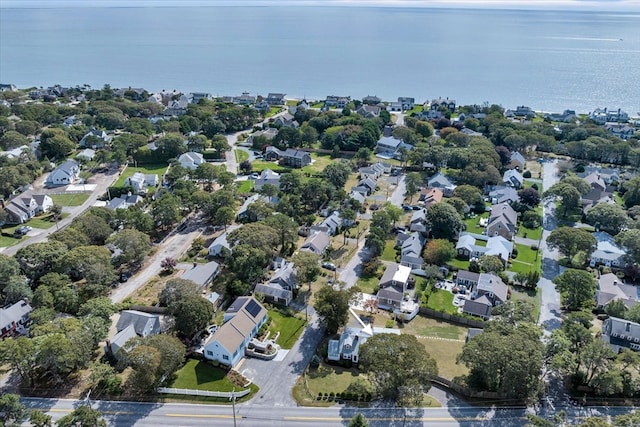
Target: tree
[[529, 197], [337, 173], [634, 313], [438, 251], [630, 239], [393, 212], [55, 144], [248, 262], [82, 416], [616, 308], [177, 289], [100, 307], [224, 216], [104, 380], [96, 228], [207, 172], [269, 190], [285, 227], [256, 235], [37, 418], [8, 267], [631, 196], [569, 241], [569, 195], [192, 314], [472, 196], [505, 358], [38, 259], [171, 146], [332, 306], [444, 221], [307, 266], [166, 210], [491, 263], [11, 409], [92, 263], [12, 139], [577, 288], [168, 264], [363, 155], [607, 217], [413, 182], [358, 420], [134, 245], [531, 220], [398, 366]]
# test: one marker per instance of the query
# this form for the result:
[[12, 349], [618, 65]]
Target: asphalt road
[[180, 414]]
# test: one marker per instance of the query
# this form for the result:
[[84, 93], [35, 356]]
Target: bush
[[534, 247], [527, 174], [388, 323]]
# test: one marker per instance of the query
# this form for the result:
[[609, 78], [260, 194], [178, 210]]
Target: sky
[[612, 5]]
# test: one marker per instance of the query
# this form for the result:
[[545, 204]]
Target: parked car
[[123, 277], [22, 231], [329, 266]]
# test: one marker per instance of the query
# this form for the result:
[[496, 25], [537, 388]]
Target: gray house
[[621, 334], [131, 324]]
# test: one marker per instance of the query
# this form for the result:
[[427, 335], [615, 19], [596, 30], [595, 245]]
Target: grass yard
[[290, 328], [460, 264], [472, 224], [318, 163], [389, 252], [526, 260], [439, 300], [158, 169], [44, 221], [241, 155], [532, 296], [70, 199], [245, 186], [6, 241], [530, 233], [260, 165]]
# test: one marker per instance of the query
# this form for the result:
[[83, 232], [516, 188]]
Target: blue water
[[547, 60]]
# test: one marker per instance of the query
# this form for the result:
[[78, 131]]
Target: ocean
[[548, 60]]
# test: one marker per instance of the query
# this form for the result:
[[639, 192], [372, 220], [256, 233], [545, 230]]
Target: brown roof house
[[242, 321]]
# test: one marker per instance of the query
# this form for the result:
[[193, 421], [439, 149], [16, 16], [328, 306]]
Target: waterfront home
[[567, 116], [439, 104], [339, 102], [621, 334], [67, 173], [275, 99], [371, 100], [196, 97], [242, 321], [601, 116]]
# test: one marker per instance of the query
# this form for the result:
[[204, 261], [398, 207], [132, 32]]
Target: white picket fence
[[227, 394]]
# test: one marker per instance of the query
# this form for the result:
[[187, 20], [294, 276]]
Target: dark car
[[329, 266], [22, 231], [123, 277]]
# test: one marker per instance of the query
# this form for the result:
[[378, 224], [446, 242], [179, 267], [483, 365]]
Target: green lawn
[[529, 233], [290, 328], [43, 221], [526, 260], [70, 199], [159, 169], [389, 252], [530, 295], [472, 224], [369, 285], [6, 241], [199, 375], [272, 111], [245, 186], [460, 264], [260, 165], [319, 162], [241, 155], [439, 300]]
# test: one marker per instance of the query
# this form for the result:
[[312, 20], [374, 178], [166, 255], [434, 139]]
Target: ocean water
[[547, 60]]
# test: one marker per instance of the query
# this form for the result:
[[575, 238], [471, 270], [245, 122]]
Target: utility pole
[[233, 403]]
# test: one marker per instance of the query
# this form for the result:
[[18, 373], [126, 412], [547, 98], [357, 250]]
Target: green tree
[[37, 418], [393, 212], [192, 314], [20, 354], [269, 190], [83, 416], [569, 195], [607, 217], [413, 183], [529, 196], [257, 235], [399, 367], [88, 262], [577, 288], [38, 259], [631, 196], [55, 144], [634, 313], [444, 221], [177, 289], [224, 216], [307, 267], [438, 251], [248, 262], [171, 146], [332, 306], [358, 420], [134, 244], [362, 156], [104, 380], [616, 308], [491, 264], [100, 307], [12, 139], [337, 173], [569, 241], [11, 409], [630, 239], [166, 210], [472, 196], [96, 228]]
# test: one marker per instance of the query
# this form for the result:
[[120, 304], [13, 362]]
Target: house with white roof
[[15, 153], [86, 154], [67, 173], [607, 253], [494, 246], [355, 333], [242, 320], [191, 160], [393, 285], [95, 139], [513, 178]]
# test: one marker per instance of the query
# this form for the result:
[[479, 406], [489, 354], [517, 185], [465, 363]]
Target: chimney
[[628, 327]]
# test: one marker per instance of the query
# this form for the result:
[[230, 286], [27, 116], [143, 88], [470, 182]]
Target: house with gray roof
[[621, 334], [220, 246], [418, 221], [466, 246], [493, 288], [296, 158], [26, 205], [502, 221], [369, 184], [468, 279], [516, 161], [269, 134], [286, 120], [513, 178], [124, 201], [139, 181], [369, 111], [267, 176], [87, 154], [387, 146], [95, 139], [411, 251], [14, 318], [393, 285], [503, 194], [337, 101], [480, 307], [67, 173], [131, 324], [607, 252], [612, 288], [274, 99], [443, 183], [280, 287], [191, 160], [331, 224], [317, 242], [202, 274]]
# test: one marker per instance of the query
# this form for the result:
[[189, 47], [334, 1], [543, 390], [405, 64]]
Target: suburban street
[[250, 415]]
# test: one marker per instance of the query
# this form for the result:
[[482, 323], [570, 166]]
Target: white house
[[27, 205], [66, 173], [220, 246], [140, 181], [191, 160], [607, 253], [513, 178]]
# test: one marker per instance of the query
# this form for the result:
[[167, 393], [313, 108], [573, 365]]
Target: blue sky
[[613, 5]]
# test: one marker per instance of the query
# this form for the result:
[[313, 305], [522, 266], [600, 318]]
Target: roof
[[517, 157], [274, 290], [513, 176], [619, 328], [192, 157], [468, 275], [439, 180], [201, 274], [493, 284], [247, 314], [395, 274], [607, 247], [138, 319], [480, 307], [431, 196], [389, 141], [121, 338], [14, 313], [504, 194], [610, 288], [503, 213], [297, 154], [221, 240], [412, 245], [317, 242]]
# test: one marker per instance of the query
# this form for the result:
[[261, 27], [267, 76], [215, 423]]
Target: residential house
[[502, 221], [621, 130], [220, 247], [373, 172], [388, 146], [95, 139], [516, 161], [4, 87], [25, 206], [286, 120], [492, 287], [275, 99], [196, 97], [407, 103], [602, 116], [14, 318], [430, 196], [607, 253], [369, 111], [411, 250], [525, 112], [394, 106], [418, 221], [468, 279], [244, 99], [272, 154], [393, 285], [608, 175], [242, 321], [443, 183], [124, 202], [503, 194], [279, 288], [438, 104], [429, 114], [368, 184], [317, 242], [202, 274], [243, 212], [269, 134], [621, 334], [355, 333], [480, 307], [612, 288], [191, 160], [513, 178], [337, 101], [67, 173], [356, 195], [87, 154], [331, 224], [371, 100], [567, 116], [494, 246], [15, 153], [267, 176], [139, 181], [177, 107], [131, 324], [296, 158]]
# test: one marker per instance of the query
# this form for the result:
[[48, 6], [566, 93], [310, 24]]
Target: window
[[209, 353], [225, 357]]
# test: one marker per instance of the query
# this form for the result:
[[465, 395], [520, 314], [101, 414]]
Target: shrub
[[527, 174], [534, 247], [388, 323]]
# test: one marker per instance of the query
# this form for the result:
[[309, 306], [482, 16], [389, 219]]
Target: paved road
[[247, 415]]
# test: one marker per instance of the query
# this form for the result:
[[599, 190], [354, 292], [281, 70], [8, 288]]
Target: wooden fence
[[465, 321]]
